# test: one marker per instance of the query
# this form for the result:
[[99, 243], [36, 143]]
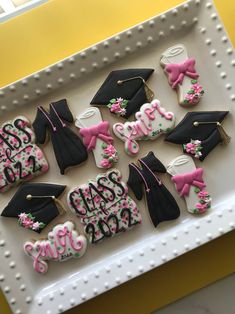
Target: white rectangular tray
[[114, 261]]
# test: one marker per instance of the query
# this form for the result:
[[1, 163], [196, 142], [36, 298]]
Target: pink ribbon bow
[[91, 134], [184, 181], [177, 71]]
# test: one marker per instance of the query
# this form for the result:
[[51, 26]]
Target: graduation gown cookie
[[35, 205], [68, 147], [161, 204], [125, 91], [200, 132]]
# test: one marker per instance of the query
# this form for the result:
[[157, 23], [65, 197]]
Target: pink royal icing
[[91, 134], [184, 181], [63, 243], [177, 71]]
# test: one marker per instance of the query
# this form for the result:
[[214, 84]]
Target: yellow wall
[[60, 28]]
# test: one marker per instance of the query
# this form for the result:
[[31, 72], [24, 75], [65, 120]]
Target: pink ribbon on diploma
[[177, 71], [91, 134], [184, 181]]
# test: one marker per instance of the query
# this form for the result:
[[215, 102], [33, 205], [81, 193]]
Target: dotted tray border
[[156, 252]]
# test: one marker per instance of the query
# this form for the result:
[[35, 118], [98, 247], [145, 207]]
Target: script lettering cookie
[[151, 121], [62, 243], [104, 207], [20, 158]]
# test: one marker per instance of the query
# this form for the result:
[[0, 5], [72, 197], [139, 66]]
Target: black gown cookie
[[161, 204], [35, 205], [68, 147], [200, 132], [125, 91]]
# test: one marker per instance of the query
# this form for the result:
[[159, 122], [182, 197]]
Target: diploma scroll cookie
[[151, 121], [182, 74], [189, 184], [62, 243], [20, 158], [104, 207], [96, 137]]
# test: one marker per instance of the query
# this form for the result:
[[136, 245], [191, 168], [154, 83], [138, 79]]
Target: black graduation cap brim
[[43, 209], [208, 134], [133, 90]]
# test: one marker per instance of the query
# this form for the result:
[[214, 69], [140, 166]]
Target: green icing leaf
[[193, 81], [191, 91], [196, 190], [104, 145], [113, 100], [76, 254]]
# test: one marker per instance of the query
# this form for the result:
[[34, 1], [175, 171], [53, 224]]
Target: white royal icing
[[151, 121], [62, 243]]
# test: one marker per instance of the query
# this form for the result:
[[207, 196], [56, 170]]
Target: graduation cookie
[[62, 243], [189, 184], [182, 74], [35, 205], [200, 132], [20, 158], [161, 204], [151, 121], [104, 207], [96, 137], [68, 147], [125, 91]]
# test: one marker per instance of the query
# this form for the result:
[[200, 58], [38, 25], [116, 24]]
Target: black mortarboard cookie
[[200, 132], [35, 205], [125, 91]]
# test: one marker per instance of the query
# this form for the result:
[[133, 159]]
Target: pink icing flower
[[22, 216], [115, 107], [197, 88], [203, 194], [27, 223], [97, 199], [105, 163], [110, 150], [39, 154], [45, 168], [201, 207], [36, 225], [190, 148]]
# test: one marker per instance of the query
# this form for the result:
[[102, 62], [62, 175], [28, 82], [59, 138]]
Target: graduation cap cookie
[[200, 132], [125, 91], [35, 205]]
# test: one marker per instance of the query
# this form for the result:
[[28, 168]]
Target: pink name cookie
[[62, 243], [20, 158], [104, 207], [151, 121]]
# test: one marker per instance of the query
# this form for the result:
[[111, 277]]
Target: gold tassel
[[225, 137], [148, 91]]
